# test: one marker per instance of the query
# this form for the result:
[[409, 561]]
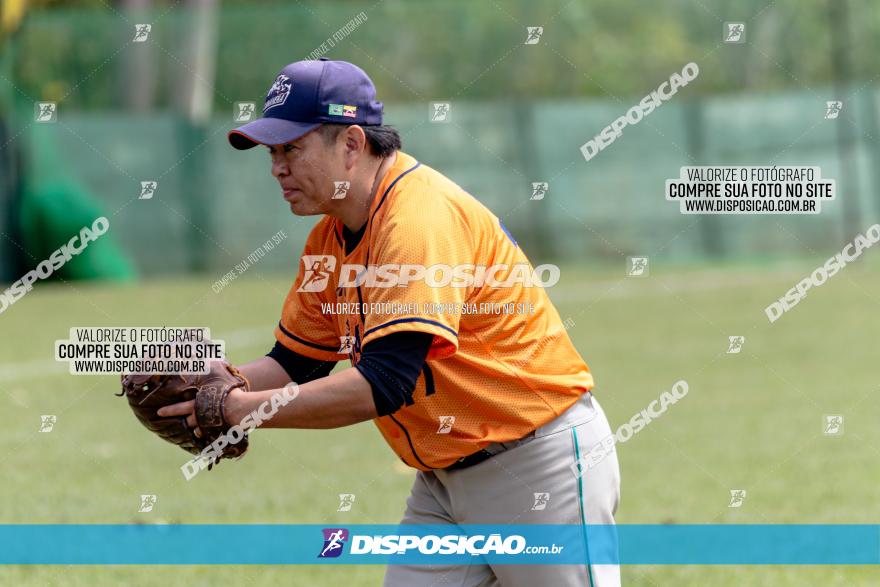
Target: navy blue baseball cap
[[307, 94]]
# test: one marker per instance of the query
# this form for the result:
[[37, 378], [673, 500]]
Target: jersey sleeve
[[433, 238], [303, 327], [300, 368]]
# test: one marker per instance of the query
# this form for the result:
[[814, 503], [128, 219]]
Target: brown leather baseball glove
[[147, 393]]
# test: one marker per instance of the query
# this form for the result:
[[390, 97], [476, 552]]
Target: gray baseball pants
[[501, 490]]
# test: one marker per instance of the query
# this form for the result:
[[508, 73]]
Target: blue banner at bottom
[[710, 544]]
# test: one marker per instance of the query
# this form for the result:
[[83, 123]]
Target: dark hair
[[383, 140]]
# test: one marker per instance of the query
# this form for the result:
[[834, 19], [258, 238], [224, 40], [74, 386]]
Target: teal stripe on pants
[[577, 456]]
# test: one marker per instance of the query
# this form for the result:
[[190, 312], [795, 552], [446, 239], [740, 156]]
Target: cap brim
[[268, 131]]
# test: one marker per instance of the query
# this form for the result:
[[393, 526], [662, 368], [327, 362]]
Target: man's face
[[306, 170]]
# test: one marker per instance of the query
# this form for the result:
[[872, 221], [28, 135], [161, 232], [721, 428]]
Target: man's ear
[[355, 143]]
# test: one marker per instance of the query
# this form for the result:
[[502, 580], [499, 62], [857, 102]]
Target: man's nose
[[279, 167]]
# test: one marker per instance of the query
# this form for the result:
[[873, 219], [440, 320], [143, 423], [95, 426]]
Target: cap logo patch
[[278, 92], [342, 110]]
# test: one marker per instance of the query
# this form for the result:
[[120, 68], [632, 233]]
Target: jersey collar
[[402, 165]]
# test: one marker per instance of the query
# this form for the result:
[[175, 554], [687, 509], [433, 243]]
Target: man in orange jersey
[[458, 356]]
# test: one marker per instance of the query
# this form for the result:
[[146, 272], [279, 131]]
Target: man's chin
[[302, 209]]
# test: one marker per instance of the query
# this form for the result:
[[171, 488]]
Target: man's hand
[[263, 373], [187, 409]]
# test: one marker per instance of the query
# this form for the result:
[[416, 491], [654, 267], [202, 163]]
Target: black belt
[[483, 454], [470, 460]]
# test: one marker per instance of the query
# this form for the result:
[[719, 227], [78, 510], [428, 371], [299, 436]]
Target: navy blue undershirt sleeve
[[392, 364], [300, 368]]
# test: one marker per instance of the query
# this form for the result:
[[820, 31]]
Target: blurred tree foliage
[[467, 49]]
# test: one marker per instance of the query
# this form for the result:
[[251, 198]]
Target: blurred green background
[[159, 110]]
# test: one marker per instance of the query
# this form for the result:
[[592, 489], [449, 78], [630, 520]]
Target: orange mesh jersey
[[501, 363]]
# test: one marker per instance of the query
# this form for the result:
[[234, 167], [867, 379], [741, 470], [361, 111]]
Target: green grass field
[[751, 421]]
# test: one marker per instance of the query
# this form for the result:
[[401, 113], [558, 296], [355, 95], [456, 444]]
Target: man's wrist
[[233, 406]]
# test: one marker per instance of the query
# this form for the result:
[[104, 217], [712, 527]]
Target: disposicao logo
[[334, 542]]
